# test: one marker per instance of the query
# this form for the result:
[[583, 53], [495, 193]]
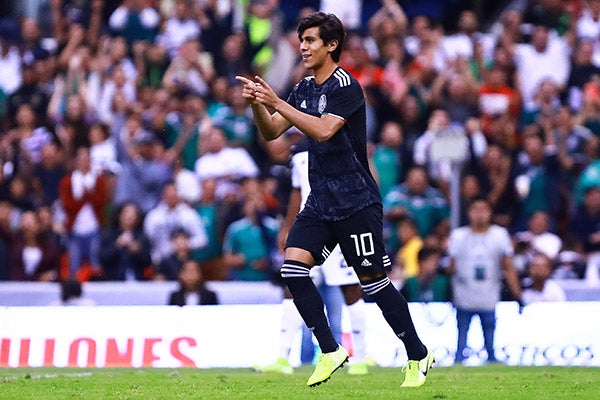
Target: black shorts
[[360, 237]]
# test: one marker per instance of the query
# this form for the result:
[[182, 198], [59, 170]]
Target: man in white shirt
[[130, 12], [546, 57], [539, 286], [539, 238], [10, 65], [222, 162], [170, 215], [179, 27], [480, 253]]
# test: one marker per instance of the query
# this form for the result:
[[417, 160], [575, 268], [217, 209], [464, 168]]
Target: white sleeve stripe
[[342, 77], [345, 75], [338, 78]]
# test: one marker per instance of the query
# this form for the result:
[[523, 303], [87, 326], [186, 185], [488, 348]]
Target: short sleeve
[[344, 99], [453, 243], [291, 100], [506, 243]]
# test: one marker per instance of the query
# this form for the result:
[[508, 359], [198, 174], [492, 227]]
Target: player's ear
[[332, 45]]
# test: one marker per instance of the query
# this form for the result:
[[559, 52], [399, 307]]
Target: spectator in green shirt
[[210, 256], [429, 285], [387, 157], [249, 242], [416, 199]]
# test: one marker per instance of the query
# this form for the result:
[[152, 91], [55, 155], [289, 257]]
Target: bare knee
[[301, 255], [352, 293], [366, 277]]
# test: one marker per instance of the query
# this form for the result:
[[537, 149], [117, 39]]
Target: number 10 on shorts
[[363, 244]]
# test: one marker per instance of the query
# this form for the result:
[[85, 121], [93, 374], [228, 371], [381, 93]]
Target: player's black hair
[[330, 29]]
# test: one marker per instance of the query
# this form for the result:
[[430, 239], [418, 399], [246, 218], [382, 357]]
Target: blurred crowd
[[126, 148]]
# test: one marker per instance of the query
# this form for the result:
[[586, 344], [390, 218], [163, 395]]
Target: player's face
[[312, 48]]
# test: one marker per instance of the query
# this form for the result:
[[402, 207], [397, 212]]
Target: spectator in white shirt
[[135, 20], [538, 237], [588, 23], [169, 215], [103, 149], [187, 183], [10, 65], [179, 27], [539, 286], [190, 70], [224, 163], [546, 57], [460, 44], [349, 11]]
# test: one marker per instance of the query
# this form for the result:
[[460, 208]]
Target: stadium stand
[[147, 86]]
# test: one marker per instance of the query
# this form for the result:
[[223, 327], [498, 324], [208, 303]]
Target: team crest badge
[[322, 103]]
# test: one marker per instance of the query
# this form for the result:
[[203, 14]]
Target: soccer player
[[344, 205], [334, 272]]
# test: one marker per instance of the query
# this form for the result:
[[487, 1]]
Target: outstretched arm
[[260, 96], [270, 126], [319, 128]]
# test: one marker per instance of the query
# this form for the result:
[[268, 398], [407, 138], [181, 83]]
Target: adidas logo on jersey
[[366, 263], [303, 104]]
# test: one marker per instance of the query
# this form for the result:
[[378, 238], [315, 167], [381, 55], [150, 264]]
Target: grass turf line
[[488, 382]]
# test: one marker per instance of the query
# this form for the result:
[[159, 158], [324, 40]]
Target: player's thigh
[[361, 241], [352, 293], [313, 235]]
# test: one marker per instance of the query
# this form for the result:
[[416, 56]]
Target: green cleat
[[328, 363], [416, 370], [358, 369], [370, 362], [281, 366]]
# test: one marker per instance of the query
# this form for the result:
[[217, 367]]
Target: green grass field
[[488, 382]]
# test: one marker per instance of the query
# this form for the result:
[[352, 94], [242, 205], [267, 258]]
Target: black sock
[[308, 302], [395, 311]]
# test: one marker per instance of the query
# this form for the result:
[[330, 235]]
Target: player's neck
[[324, 71]]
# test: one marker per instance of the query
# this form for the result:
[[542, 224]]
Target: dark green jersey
[[340, 180]]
